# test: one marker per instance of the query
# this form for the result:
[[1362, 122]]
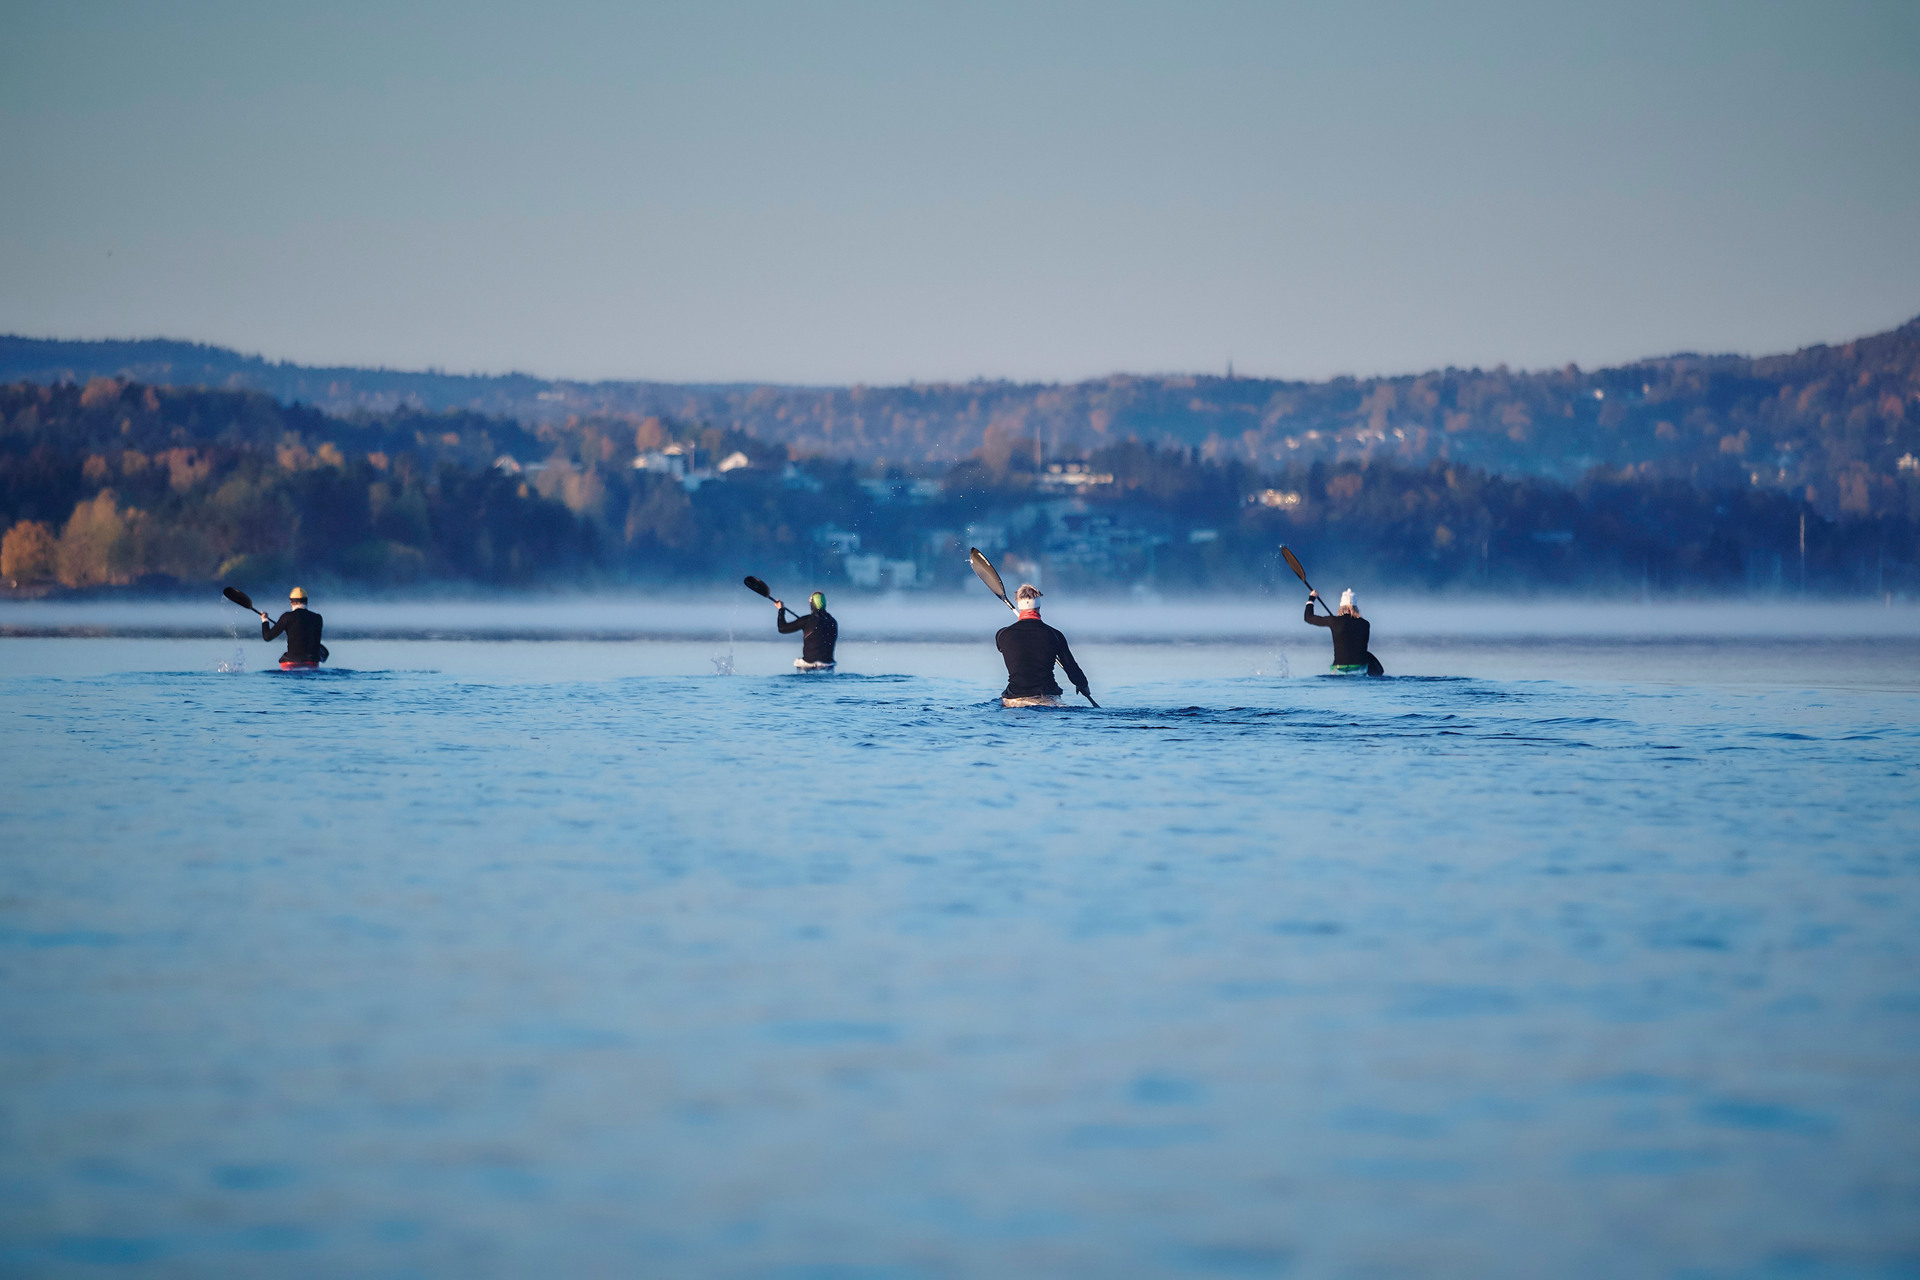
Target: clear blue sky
[[841, 192]]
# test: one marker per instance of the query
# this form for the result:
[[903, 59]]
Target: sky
[[880, 193]]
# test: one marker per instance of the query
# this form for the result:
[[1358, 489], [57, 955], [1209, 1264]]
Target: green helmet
[[818, 600]]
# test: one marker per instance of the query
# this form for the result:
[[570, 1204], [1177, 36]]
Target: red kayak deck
[[299, 666]]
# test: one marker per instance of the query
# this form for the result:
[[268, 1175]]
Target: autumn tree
[[29, 553]]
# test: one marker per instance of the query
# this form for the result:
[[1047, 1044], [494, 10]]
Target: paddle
[[759, 588], [239, 597], [984, 570], [1293, 562]]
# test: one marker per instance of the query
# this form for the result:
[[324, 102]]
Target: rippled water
[[573, 958]]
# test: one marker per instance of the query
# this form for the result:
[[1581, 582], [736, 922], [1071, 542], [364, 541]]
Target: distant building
[[988, 537], [793, 477], [1274, 498], [676, 460], [733, 462], [1097, 544], [841, 542], [1072, 477], [893, 491], [874, 572]]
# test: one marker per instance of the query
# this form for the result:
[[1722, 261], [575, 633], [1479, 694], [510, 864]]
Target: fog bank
[[952, 618]]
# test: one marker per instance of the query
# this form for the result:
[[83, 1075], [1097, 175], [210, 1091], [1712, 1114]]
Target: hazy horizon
[[703, 613], [1833, 340]]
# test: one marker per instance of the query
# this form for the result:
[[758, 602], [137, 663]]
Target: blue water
[[576, 959]]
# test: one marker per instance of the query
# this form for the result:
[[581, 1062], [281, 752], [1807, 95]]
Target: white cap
[[1346, 598]]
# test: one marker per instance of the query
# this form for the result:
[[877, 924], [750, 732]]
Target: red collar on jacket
[[1028, 613]]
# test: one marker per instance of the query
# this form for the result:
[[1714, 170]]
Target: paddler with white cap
[[1030, 648], [301, 626], [1351, 633]]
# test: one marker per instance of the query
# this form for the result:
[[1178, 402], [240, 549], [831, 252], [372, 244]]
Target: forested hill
[[115, 483], [1838, 425]]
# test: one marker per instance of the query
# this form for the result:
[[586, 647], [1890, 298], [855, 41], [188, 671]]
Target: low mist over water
[[672, 613]]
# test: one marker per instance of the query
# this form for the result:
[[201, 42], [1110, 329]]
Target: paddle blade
[[1293, 562], [239, 597], [983, 568], [758, 587]]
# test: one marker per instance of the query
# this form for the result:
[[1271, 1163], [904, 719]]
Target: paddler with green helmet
[[301, 626], [821, 631]]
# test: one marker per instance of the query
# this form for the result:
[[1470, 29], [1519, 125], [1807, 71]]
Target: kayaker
[[301, 626], [816, 650], [1030, 648], [1350, 635]]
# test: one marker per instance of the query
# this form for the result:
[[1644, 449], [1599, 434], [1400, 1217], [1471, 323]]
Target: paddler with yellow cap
[[301, 626]]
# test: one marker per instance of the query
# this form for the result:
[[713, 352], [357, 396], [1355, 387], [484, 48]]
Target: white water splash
[[1275, 665], [723, 662], [230, 666]]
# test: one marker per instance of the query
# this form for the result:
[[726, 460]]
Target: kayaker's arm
[[1064, 656], [1314, 618], [268, 630]]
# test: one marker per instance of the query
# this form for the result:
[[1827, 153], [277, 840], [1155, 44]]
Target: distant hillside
[[1838, 425], [116, 483]]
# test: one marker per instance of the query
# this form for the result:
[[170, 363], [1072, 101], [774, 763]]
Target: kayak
[[1037, 700], [299, 666], [1350, 669], [801, 664]]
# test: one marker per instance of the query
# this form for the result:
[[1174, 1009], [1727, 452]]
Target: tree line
[[117, 483]]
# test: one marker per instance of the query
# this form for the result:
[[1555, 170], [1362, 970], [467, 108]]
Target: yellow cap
[[298, 593]]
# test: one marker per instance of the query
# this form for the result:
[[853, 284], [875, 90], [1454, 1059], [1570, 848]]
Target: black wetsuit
[[1350, 635], [821, 631], [302, 629], [1030, 647]]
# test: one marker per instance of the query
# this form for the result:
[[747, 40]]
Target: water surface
[[1586, 957]]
